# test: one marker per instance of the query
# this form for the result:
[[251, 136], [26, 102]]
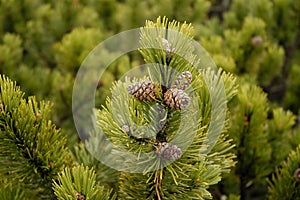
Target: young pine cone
[[176, 99], [169, 151], [144, 90], [79, 196], [168, 46], [183, 80]]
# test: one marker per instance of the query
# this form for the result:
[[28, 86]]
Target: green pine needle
[[79, 181], [33, 151]]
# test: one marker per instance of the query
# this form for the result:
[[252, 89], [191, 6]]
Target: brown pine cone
[[183, 80], [144, 90], [79, 196], [176, 99]]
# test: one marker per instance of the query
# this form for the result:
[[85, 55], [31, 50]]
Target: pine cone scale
[[176, 99], [144, 90]]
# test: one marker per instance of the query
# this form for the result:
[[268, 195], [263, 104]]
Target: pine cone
[[79, 196], [168, 47], [297, 174], [256, 41], [183, 80], [169, 151], [125, 128], [144, 90], [176, 99]]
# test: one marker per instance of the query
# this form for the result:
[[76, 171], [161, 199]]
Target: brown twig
[[158, 182]]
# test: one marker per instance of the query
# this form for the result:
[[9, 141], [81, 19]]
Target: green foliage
[[281, 22], [278, 14], [137, 12], [190, 176], [75, 46], [11, 52], [263, 137], [77, 182], [33, 151], [44, 42], [104, 175], [247, 50], [280, 133], [42, 29], [285, 181], [9, 191], [291, 99], [249, 132]]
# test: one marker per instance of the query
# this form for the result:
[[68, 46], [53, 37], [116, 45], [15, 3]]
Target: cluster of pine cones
[[174, 97]]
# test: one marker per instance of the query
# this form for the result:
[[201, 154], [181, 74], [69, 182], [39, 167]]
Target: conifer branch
[[10, 191], [33, 151], [285, 181], [146, 117], [79, 183]]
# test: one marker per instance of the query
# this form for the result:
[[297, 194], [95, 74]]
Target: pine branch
[[9, 191], [105, 175], [146, 117], [33, 151], [79, 183], [285, 182], [249, 131]]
